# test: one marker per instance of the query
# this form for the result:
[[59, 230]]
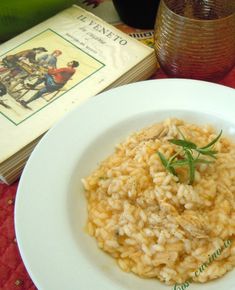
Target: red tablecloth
[[228, 80], [13, 275]]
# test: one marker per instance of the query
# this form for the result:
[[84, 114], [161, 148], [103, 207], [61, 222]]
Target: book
[[52, 68]]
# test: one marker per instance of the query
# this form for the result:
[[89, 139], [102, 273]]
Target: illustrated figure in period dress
[[54, 80]]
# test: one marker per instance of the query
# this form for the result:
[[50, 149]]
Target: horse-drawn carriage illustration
[[22, 72], [42, 72]]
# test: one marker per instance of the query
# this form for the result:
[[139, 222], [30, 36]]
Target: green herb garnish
[[185, 156]]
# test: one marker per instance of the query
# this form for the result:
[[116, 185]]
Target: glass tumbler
[[195, 38]]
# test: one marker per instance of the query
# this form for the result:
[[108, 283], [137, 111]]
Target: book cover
[[56, 65]]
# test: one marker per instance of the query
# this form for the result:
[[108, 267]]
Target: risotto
[[154, 223]]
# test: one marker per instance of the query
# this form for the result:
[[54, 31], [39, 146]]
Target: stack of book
[[52, 68]]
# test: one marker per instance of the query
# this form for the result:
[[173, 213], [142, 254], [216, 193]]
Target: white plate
[[50, 212]]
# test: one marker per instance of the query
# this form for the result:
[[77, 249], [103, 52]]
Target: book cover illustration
[[39, 71]]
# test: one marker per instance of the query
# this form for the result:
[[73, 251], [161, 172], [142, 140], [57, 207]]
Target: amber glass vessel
[[196, 38]]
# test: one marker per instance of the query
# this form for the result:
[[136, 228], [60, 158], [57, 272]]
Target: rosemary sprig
[[185, 156]]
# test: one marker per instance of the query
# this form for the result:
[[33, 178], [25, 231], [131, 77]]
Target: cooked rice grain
[[154, 223]]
